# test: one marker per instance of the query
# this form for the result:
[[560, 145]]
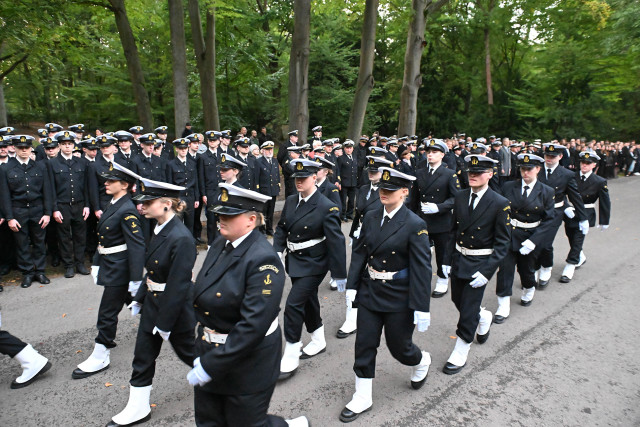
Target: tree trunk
[[179, 61], [487, 55], [412, 79], [205, 50], [3, 106], [143, 107], [299, 69], [365, 73]]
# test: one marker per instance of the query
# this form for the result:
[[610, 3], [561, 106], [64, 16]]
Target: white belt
[[112, 250], [559, 204], [155, 287], [213, 337], [473, 252], [304, 245], [590, 205], [379, 275], [521, 224]]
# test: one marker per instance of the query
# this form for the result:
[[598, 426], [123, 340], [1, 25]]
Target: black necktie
[[474, 196], [301, 204], [385, 221], [584, 178], [548, 173], [525, 192], [228, 248], [431, 171]]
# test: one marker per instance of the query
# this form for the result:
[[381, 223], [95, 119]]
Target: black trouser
[[212, 226], [467, 300], [72, 234], [442, 243], [31, 233], [526, 270], [51, 239], [269, 209], [246, 410], [398, 332], [545, 257], [7, 247], [197, 222], [92, 235], [576, 241], [302, 307], [148, 348], [188, 214], [10, 345], [113, 300], [348, 193]]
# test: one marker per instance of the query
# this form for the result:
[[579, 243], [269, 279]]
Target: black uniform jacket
[[403, 244], [267, 177], [347, 170], [249, 175], [154, 168], [563, 181], [25, 187], [317, 218], [240, 296], [592, 189], [169, 259], [99, 199], [331, 192], [537, 206], [364, 205], [439, 188], [186, 175], [210, 172], [118, 225], [487, 227], [70, 180]]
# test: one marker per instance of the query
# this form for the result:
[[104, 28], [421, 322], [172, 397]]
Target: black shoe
[[81, 269], [287, 375], [1, 288], [26, 281], [347, 415], [309, 356], [55, 262], [500, 319], [45, 368], [140, 421], [542, 284], [199, 241], [69, 272], [42, 279], [451, 369], [564, 279], [341, 334], [525, 303], [78, 373], [482, 338], [417, 385], [5, 270], [435, 294]]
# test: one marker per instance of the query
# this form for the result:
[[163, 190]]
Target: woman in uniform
[[230, 169], [324, 184], [532, 213], [309, 229], [389, 282], [236, 301], [116, 264], [163, 299]]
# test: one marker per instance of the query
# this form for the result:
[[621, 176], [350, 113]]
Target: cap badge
[[23, 139], [586, 155], [386, 176], [223, 158], [110, 166], [142, 187], [551, 148], [66, 134], [299, 166], [526, 159], [474, 161], [224, 197]]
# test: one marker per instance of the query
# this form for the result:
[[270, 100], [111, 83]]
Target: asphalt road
[[571, 358]]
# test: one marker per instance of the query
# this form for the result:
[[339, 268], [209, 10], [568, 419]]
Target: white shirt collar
[[21, 161], [306, 199], [90, 159], [110, 160], [114, 201], [586, 175], [231, 182], [392, 213], [2, 162], [434, 168], [529, 185], [159, 227], [239, 240], [553, 169], [479, 194], [319, 183], [65, 157]]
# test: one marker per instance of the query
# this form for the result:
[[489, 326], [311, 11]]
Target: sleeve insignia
[[334, 209], [335, 190], [267, 280], [269, 267], [507, 208], [130, 217], [266, 292], [424, 231]]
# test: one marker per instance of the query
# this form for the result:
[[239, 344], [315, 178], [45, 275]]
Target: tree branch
[[13, 66]]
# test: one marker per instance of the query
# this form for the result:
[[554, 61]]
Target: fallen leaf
[[153, 405], [41, 286], [452, 337], [90, 308], [64, 314], [79, 351], [108, 384], [326, 298]]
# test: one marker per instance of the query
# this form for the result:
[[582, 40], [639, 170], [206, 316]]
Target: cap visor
[[227, 210], [302, 174], [390, 187], [477, 170], [144, 197]]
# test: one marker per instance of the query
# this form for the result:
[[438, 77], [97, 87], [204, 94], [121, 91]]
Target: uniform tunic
[[368, 200], [268, 183]]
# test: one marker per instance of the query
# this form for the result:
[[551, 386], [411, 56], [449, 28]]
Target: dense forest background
[[524, 68]]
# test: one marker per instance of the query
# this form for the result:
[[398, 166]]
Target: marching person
[[97, 191], [293, 152], [532, 214], [163, 299], [309, 229], [268, 181], [116, 265], [8, 248], [564, 182], [236, 300], [482, 232], [182, 171], [592, 188], [211, 178], [432, 199], [347, 166], [230, 169], [26, 201], [389, 283], [326, 187]]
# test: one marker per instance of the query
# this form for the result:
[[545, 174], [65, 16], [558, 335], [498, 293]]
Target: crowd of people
[[482, 208]]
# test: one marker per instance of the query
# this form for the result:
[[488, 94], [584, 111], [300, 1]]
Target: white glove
[[350, 297], [356, 234], [281, 256], [422, 320], [350, 241], [570, 212], [429, 208], [135, 308], [163, 334], [527, 247], [446, 270], [94, 273], [604, 227], [584, 226], [479, 280], [198, 376], [342, 284], [133, 287]]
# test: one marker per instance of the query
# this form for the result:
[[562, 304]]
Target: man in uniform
[[249, 174], [27, 203], [167, 149], [98, 196], [211, 178], [432, 199], [125, 155], [8, 248], [282, 152], [317, 135], [183, 172], [51, 150], [268, 182], [225, 141], [563, 181], [482, 233], [348, 171], [194, 155]]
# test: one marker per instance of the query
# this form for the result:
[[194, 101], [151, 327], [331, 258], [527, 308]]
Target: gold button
[[156, 261], [195, 305], [384, 271], [393, 252], [384, 281], [155, 295], [203, 338], [371, 257], [151, 272], [305, 227], [462, 234], [217, 345], [218, 294], [472, 237], [384, 261], [107, 228], [206, 313]]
